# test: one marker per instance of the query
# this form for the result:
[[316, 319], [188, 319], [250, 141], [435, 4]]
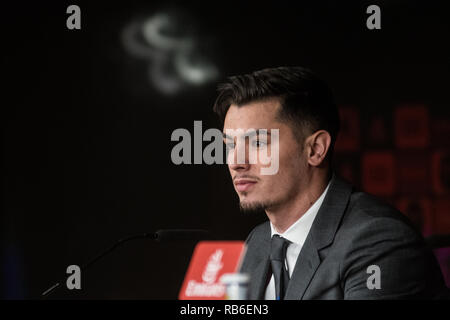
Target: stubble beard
[[255, 206]]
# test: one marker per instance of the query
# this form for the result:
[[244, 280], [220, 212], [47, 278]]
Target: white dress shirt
[[296, 234]]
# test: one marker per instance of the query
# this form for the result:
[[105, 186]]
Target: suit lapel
[[258, 263], [260, 279], [305, 267], [320, 236]]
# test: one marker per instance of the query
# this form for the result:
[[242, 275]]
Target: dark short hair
[[307, 102]]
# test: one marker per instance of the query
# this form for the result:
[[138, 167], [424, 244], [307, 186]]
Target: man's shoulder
[[375, 233], [369, 219], [364, 208]]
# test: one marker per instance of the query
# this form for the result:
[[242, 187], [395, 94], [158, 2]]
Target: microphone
[[165, 235]]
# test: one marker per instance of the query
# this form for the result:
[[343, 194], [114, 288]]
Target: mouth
[[244, 184]]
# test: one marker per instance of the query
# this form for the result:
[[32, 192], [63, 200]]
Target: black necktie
[[277, 256]]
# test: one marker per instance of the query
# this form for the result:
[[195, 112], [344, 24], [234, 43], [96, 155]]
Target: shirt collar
[[298, 231]]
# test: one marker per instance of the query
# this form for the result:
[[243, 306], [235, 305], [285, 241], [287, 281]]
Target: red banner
[[211, 260]]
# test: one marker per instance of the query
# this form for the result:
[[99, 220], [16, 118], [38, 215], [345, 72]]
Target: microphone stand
[[161, 235]]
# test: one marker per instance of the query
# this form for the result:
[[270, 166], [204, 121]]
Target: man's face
[[255, 190]]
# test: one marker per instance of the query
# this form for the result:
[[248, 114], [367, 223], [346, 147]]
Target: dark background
[[86, 147]]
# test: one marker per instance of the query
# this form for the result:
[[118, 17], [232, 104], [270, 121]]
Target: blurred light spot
[[170, 46], [195, 69], [156, 31]]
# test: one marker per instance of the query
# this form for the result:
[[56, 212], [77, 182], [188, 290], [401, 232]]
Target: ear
[[317, 145]]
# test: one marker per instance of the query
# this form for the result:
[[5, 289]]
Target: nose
[[238, 157], [239, 167]]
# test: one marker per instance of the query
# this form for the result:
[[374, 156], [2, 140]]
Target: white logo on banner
[[213, 267], [208, 287]]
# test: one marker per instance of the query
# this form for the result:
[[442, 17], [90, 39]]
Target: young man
[[323, 240]]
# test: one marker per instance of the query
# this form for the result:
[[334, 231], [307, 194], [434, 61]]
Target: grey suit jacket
[[351, 232]]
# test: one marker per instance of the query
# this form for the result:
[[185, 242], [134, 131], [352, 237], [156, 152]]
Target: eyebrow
[[250, 134]]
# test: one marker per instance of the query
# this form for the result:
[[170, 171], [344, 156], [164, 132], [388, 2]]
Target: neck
[[285, 215]]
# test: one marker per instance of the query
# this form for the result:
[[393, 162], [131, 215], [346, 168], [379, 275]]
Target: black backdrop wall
[[88, 114]]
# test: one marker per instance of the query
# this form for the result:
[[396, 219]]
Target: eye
[[258, 143]]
